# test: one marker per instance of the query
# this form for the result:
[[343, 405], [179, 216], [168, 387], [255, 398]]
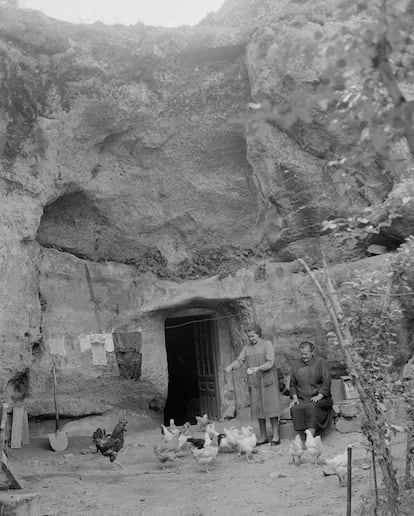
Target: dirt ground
[[79, 482]]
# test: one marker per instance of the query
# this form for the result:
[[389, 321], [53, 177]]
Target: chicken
[[341, 472], [165, 456], [209, 433], [236, 433], [167, 433], [245, 430], [313, 445], [247, 442], [110, 445], [338, 460], [339, 465], [202, 422], [204, 456], [168, 452], [296, 450], [228, 441], [183, 437]]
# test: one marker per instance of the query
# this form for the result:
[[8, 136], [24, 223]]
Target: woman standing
[[263, 383]]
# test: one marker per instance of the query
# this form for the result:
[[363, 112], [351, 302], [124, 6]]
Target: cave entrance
[[192, 351]]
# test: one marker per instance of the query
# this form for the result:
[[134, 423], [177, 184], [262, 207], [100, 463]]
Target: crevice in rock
[[227, 53], [386, 239], [92, 297]]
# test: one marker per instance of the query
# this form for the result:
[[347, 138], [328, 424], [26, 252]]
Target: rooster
[[110, 445], [296, 450], [313, 445]]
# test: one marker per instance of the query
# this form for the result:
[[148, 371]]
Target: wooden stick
[[55, 396], [5, 465], [236, 408], [374, 471], [408, 457], [4, 408], [349, 483]]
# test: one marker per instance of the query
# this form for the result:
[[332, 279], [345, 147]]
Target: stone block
[[349, 410], [337, 389], [345, 426], [26, 504]]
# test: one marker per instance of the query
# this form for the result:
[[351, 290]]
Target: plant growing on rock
[[364, 64]]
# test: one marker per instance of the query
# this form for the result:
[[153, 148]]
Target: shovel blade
[[58, 441]]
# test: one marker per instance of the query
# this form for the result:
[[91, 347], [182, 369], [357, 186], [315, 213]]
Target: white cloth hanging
[[84, 342], [109, 342], [98, 353]]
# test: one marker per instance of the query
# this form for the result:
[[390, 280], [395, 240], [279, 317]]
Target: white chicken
[[229, 441], [339, 465], [246, 430], [168, 434], [167, 452], [206, 455], [236, 433], [247, 442], [202, 422], [313, 445], [296, 450]]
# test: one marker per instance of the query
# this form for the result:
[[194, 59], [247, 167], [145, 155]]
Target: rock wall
[[124, 155]]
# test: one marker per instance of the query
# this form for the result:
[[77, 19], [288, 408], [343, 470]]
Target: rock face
[[123, 153]]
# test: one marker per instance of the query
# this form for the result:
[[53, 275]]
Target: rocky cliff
[[124, 149]]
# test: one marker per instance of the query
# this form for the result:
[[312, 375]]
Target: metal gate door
[[205, 336]]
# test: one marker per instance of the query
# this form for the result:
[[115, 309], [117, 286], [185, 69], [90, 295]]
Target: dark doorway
[[192, 368]]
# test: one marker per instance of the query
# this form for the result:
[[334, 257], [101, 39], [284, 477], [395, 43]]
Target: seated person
[[310, 390]]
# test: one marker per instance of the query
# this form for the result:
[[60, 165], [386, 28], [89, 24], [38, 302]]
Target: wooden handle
[[55, 397], [3, 427], [234, 392]]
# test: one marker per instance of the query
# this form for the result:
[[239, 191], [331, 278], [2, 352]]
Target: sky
[[167, 13]]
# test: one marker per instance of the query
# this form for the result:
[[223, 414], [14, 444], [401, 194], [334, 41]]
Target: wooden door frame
[[192, 312], [214, 340]]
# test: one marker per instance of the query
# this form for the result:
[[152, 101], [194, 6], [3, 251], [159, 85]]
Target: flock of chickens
[[313, 445], [204, 450], [178, 440]]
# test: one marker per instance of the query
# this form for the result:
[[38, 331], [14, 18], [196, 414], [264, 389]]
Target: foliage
[[403, 266], [372, 314], [365, 68], [403, 278]]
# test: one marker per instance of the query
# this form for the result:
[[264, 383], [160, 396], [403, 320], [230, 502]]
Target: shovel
[[59, 440]]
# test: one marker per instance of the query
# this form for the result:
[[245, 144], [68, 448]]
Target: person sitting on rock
[[310, 390]]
